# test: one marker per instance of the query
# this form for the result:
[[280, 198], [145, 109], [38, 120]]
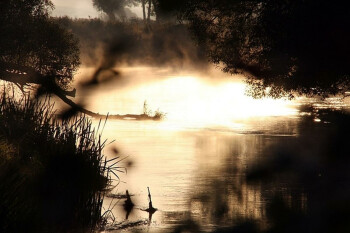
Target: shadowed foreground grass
[[53, 175]]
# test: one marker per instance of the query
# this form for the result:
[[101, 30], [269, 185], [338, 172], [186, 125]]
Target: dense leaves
[[118, 9], [33, 49], [113, 8], [53, 174], [284, 47]]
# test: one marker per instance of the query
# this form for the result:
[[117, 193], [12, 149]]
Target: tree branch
[[24, 76]]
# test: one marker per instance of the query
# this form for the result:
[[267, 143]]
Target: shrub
[[53, 175]]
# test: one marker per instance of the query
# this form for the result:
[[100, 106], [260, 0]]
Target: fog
[[113, 123], [83, 9]]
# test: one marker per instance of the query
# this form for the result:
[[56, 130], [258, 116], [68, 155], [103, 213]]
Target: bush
[[53, 175]]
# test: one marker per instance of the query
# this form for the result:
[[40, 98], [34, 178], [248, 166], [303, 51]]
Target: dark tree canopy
[[284, 46], [113, 8], [34, 49], [117, 9]]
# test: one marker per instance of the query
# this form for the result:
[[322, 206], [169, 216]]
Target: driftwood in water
[[128, 204], [77, 108], [150, 209], [23, 76]]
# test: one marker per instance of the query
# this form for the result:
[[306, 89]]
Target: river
[[194, 160]]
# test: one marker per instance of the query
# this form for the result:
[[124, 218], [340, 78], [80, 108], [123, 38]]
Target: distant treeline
[[134, 43]]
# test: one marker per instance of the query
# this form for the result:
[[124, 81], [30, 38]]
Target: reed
[[53, 175], [148, 113]]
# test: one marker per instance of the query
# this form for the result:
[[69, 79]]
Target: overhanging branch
[[24, 76]]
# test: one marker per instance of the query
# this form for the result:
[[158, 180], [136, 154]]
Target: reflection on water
[[195, 174], [189, 101], [195, 160]]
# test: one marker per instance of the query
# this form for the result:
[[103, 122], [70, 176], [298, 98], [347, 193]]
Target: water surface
[[195, 159]]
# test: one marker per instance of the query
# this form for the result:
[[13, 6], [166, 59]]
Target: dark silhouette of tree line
[[284, 47], [34, 49], [39, 55], [115, 9], [168, 45]]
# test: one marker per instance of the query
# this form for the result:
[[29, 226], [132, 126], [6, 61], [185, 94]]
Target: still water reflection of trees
[[286, 183], [256, 181]]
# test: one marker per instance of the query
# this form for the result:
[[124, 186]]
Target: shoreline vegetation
[[147, 114], [107, 44], [53, 174]]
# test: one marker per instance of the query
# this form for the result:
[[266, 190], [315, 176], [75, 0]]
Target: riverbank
[[53, 175]]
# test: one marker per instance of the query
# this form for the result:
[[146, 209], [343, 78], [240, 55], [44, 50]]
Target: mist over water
[[194, 159], [189, 99], [148, 135]]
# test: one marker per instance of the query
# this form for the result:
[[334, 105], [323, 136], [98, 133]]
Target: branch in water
[[25, 76], [77, 108]]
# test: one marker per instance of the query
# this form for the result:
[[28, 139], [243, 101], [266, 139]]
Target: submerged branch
[[24, 76], [79, 108]]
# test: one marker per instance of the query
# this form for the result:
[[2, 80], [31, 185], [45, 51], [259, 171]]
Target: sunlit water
[[193, 160]]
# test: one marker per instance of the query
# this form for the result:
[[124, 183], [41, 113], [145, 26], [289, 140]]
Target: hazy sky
[[79, 8]]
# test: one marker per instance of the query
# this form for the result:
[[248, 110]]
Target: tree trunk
[[155, 7], [149, 10], [144, 9]]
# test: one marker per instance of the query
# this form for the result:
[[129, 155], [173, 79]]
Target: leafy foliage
[[113, 8], [284, 47], [53, 174], [33, 49]]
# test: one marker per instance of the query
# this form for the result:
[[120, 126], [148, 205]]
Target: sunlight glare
[[196, 102]]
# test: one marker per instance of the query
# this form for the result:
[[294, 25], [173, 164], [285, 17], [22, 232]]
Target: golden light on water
[[180, 156], [190, 101], [226, 100]]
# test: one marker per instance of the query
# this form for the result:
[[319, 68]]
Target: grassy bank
[[53, 175]]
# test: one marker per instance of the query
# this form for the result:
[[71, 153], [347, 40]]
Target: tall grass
[[148, 113], [53, 175]]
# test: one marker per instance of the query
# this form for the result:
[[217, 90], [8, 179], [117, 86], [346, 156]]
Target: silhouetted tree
[[159, 13], [284, 47], [151, 9], [143, 3], [113, 8], [34, 49]]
